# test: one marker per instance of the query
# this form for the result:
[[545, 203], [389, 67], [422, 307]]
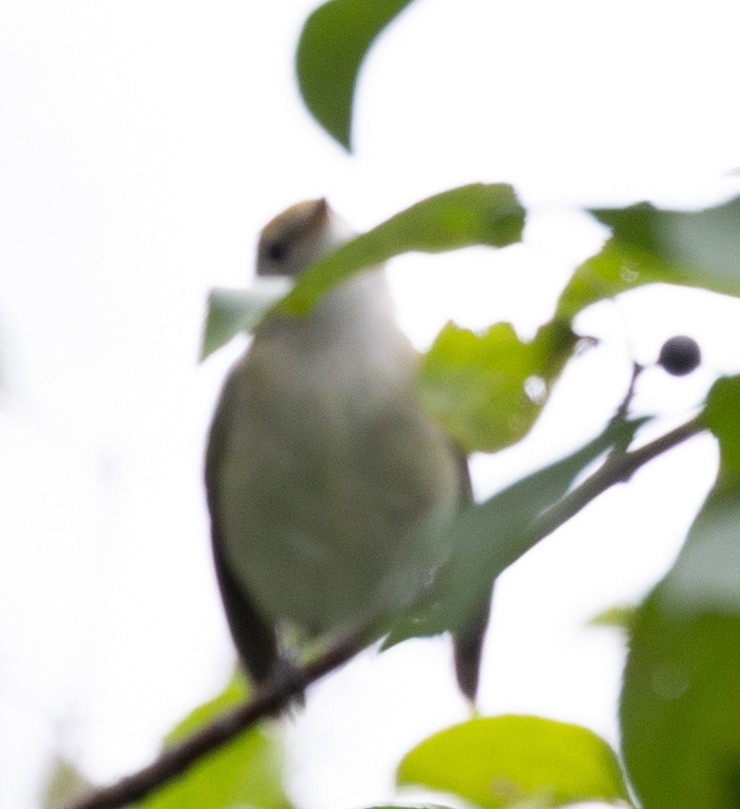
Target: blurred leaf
[[615, 269], [705, 241], [231, 311], [245, 772], [721, 415], [488, 537], [64, 785], [505, 761], [462, 217], [649, 245], [473, 214], [706, 575], [679, 711], [619, 616], [334, 41], [487, 390]]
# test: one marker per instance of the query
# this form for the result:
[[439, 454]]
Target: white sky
[[142, 145]]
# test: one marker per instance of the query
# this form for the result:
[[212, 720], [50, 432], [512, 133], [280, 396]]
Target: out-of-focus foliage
[[333, 44], [618, 616], [680, 722], [487, 389], [509, 761], [474, 214], [649, 245], [64, 784], [245, 772], [232, 311], [470, 215], [488, 537]]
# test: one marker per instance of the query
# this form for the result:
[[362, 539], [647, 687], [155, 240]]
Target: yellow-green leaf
[[244, 772], [472, 214], [618, 616], [486, 390], [469, 215], [502, 761]]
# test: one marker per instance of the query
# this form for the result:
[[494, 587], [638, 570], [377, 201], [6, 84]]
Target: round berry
[[680, 355]]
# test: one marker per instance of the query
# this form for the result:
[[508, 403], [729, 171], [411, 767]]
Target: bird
[[326, 482]]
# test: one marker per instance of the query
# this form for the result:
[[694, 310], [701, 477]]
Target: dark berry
[[680, 355]]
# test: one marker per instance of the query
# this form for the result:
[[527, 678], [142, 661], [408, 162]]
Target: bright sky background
[[142, 146]]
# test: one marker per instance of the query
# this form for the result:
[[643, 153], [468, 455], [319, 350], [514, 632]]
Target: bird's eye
[[277, 250]]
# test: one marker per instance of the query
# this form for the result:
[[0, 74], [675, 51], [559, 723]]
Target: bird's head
[[297, 237]]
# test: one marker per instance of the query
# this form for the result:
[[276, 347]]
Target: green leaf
[[704, 244], [332, 46], [245, 772], [721, 415], [488, 537], [649, 245], [231, 311], [487, 390], [615, 269], [679, 710], [64, 785], [504, 761], [462, 217], [473, 214], [618, 616], [706, 575]]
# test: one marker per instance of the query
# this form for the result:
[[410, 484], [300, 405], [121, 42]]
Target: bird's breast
[[334, 482]]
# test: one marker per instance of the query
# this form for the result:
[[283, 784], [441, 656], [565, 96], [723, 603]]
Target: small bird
[[325, 480]]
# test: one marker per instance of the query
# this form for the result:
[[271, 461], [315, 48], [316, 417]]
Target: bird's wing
[[253, 634]]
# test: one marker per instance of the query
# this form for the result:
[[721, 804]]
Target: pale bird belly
[[332, 505]]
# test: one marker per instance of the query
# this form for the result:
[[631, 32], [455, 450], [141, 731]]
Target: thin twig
[[618, 468], [175, 760]]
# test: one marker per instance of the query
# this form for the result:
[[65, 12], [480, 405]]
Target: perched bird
[[325, 480]]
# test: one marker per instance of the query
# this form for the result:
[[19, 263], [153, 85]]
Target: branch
[[618, 468], [177, 759]]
